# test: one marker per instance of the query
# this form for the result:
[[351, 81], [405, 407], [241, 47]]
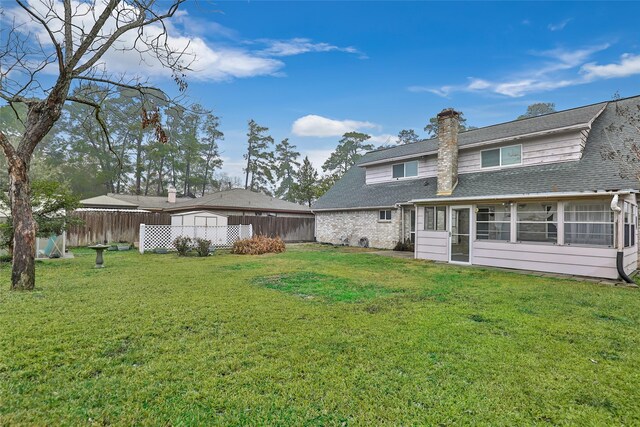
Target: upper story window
[[504, 156], [405, 170]]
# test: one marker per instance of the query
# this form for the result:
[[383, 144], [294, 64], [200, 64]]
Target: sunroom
[[573, 234]]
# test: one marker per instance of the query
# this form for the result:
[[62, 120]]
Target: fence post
[[141, 242]]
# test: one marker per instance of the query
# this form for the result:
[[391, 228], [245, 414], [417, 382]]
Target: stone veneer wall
[[347, 227]]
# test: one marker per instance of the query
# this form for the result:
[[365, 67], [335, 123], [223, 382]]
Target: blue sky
[[311, 71]]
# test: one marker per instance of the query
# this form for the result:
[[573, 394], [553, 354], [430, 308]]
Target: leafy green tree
[[538, 109], [52, 204], [432, 127], [260, 159], [325, 184], [347, 153], [305, 189], [407, 136], [286, 162]]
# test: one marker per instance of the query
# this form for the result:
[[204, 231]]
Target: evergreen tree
[[260, 159], [305, 190], [347, 153], [286, 161], [407, 136], [432, 127], [538, 109]]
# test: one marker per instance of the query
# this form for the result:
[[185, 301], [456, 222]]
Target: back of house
[[554, 193]]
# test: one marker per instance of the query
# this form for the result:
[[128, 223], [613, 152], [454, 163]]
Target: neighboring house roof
[[590, 174], [234, 199], [108, 202]]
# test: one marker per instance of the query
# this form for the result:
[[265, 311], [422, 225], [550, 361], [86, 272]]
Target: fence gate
[[162, 236]]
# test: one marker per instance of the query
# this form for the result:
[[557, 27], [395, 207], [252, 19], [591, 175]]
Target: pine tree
[[260, 160], [347, 153], [286, 160], [305, 190], [407, 136]]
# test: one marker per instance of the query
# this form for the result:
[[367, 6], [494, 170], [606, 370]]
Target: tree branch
[[51, 36]]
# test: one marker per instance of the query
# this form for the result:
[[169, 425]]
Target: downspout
[[620, 254]]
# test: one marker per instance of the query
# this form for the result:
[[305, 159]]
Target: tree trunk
[[23, 274]]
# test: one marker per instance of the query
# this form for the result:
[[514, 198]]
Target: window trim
[[404, 170], [435, 218], [612, 223], [545, 204], [477, 212], [500, 166], [380, 216]]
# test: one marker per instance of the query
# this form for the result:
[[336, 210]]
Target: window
[[537, 222], [435, 218], [505, 156], [588, 223], [630, 224], [405, 170], [412, 229], [385, 215], [493, 222]]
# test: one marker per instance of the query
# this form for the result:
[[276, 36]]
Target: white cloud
[[559, 26], [629, 65], [313, 125], [205, 59], [560, 68], [297, 46]]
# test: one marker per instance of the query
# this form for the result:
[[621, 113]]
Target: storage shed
[[199, 218]]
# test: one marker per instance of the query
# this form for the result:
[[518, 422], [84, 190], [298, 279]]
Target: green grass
[[313, 336]]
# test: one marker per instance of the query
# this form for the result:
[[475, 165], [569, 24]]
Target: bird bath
[[99, 249]]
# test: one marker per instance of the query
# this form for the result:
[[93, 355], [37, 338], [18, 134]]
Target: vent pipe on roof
[[448, 125], [171, 198]]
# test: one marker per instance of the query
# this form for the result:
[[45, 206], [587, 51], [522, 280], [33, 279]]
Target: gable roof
[[590, 174], [575, 118], [234, 199]]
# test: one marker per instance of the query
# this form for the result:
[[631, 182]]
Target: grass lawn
[[313, 336]]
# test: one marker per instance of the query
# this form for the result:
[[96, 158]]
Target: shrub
[[258, 245], [182, 244], [405, 246], [202, 246]]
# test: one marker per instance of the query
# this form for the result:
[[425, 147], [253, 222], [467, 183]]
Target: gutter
[[524, 196], [620, 254]]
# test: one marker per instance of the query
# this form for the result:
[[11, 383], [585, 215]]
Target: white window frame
[[476, 211], [546, 222], [606, 209], [435, 218], [386, 219], [500, 152], [404, 170]]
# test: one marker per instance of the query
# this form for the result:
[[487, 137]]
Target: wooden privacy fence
[[290, 229], [112, 226], [122, 225]]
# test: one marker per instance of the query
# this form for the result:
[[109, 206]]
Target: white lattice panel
[[162, 236]]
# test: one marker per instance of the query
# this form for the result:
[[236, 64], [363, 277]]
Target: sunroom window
[[537, 222], [630, 224], [405, 170], [435, 218], [504, 156], [493, 222], [588, 223]]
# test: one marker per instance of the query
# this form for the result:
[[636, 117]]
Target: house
[[536, 194], [117, 217], [229, 202]]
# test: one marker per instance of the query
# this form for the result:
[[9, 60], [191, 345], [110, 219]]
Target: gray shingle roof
[[234, 199], [548, 122], [591, 173]]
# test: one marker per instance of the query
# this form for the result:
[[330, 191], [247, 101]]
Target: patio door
[[460, 234]]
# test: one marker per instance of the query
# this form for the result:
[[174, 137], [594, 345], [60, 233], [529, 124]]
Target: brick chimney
[[171, 194], [448, 125]]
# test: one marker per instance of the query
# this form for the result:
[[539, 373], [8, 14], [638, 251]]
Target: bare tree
[[623, 137], [53, 52]]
